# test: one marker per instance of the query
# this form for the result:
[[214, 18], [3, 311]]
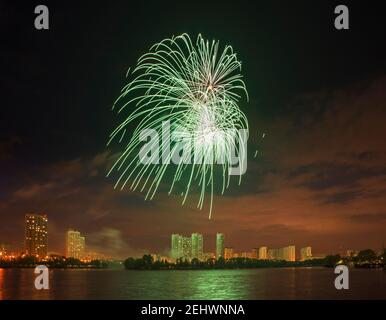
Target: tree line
[[32, 261], [147, 263], [365, 258]]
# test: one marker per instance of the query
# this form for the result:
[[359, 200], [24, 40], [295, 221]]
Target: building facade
[[273, 254], [228, 253], [197, 246], [245, 255], [305, 253], [186, 248], [285, 253], [288, 253], [36, 234], [176, 251], [254, 253], [181, 247], [263, 254], [75, 244], [219, 245]]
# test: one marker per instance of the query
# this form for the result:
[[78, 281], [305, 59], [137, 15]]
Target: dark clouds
[[323, 176], [319, 96], [313, 189]]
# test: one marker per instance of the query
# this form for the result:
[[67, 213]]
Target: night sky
[[319, 95]]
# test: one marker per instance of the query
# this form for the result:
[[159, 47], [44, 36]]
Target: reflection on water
[[279, 283], [1, 283]]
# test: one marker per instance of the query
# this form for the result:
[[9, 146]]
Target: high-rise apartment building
[[263, 254], [273, 254], [186, 247], [228, 253], [197, 246], [219, 245], [305, 253], [36, 233], [176, 246], [75, 244], [288, 253], [254, 253], [181, 246], [285, 253]]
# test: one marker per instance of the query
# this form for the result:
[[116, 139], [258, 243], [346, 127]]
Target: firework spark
[[190, 90]]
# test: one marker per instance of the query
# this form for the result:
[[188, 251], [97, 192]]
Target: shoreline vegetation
[[365, 259], [56, 263]]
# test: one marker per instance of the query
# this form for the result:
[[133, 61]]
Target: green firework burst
[[195, 88]]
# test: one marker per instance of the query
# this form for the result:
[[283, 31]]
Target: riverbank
[[31, 262], [147, 263]]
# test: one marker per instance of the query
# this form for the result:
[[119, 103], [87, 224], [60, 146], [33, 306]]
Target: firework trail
[[191, 89]]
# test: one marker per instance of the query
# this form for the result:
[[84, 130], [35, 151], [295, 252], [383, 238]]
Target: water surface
[[276, 283]]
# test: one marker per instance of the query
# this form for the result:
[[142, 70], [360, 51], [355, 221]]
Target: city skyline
[[182, 247], [191, 246], [316, 152], [287, 253]]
